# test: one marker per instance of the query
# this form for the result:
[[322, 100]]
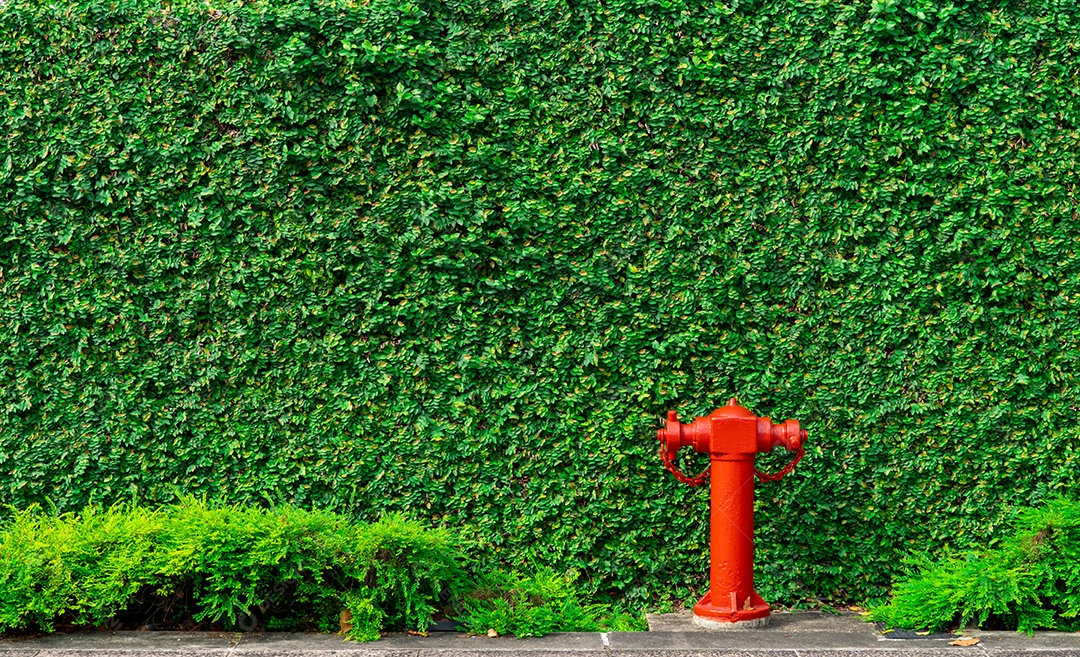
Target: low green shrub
[[194, 565], [1030, 581], [286, 568], [538, 604]]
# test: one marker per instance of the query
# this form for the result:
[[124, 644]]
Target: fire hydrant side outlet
[[732, 435]]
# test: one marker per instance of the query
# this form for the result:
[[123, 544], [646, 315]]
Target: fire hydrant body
[[731, 435]]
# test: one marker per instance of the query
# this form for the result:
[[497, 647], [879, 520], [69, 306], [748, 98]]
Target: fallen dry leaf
[[964, 642], [492, 633]]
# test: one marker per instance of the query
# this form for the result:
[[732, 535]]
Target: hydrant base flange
[[754, 612]]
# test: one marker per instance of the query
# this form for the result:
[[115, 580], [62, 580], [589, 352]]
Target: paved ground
[[796, 634]]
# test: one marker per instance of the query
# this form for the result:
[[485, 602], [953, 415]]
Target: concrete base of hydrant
[[710, 624]]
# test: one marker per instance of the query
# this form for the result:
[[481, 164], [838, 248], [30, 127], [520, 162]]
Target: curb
[[790, 634]]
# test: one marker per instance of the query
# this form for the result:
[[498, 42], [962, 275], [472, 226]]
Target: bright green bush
[[1030, 581], [538, 604], [300, 568], [285, 568], [458, 258]]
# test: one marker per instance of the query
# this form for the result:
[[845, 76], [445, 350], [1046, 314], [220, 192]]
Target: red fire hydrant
[[731, 435]]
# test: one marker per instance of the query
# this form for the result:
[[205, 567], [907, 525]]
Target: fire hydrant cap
[[733, 410]]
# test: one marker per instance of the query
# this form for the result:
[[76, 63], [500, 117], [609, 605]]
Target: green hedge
[[457, 258], [191, 566]]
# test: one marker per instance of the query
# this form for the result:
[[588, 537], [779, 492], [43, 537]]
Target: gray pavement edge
[[790, 634]]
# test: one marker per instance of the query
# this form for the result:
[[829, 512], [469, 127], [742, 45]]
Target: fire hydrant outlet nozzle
[[787, 435], [731, 435]]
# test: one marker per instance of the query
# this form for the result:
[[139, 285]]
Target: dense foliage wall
[[458, 258]]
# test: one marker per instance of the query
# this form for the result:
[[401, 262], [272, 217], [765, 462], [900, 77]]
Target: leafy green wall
[[457, 258]]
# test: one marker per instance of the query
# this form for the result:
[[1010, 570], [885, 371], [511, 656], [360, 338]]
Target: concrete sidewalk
[[793, 634]]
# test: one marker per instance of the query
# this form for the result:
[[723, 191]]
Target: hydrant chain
[[762, 476], [703, 476], [689, 481]]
